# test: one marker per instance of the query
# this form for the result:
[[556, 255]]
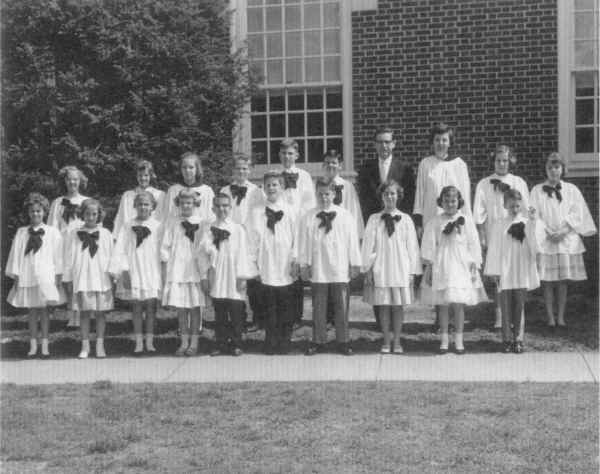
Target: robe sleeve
[[118, 260], [308, 196], [57, 253], [353, 245], [69, 255], [304, 251], [420, 190], [412, 245], [245, 267], [473, 243], [464, 184], [166, 244], [55, 214], [368, 244], [494, 251], [531, 232], [578, 215], [429, 242], [479, 203], [207, 203], [160, 203], [353, 206], [521, 186], [119, 218], [15, 256]]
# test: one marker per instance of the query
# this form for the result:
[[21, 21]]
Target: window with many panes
[[579, 103], [295, 47]]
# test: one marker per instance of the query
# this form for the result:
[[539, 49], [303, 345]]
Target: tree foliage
[[102, 83]]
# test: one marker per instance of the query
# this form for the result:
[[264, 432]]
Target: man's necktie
[[89, 240], [273, 217], [141, 232], [326, 219], [390, 222], [35, 240]]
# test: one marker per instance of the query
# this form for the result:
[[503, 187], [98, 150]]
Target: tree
[[102, 83]]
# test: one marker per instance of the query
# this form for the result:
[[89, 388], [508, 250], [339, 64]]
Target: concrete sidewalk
[[480, 367]]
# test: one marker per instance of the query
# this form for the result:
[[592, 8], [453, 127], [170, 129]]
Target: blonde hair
[[64, 172], [90, 202]]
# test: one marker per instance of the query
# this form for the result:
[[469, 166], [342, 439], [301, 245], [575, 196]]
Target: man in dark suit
[[385, 167]]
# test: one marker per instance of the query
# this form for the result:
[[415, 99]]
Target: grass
[[309, 427], [582, 334]]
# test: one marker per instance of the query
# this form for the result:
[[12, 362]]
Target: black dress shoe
[[314, 349], [443, 351], [345, 349], [459, 351], [507, 347]]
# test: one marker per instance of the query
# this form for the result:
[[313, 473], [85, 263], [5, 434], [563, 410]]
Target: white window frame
[[580, 164], [242, 132]]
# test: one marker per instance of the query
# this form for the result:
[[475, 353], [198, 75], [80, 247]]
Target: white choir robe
[[273, 252], [351, 203], [204, 200], [254, 198], [230, 262], [392, 258], [513, 261], [330, 255], [555, 215], [55, 214], [88, 273], [303, 197], [435, 174], [451, 256], [142, 263], [488, 205], [178, 252], [127, 211], [37, 269]]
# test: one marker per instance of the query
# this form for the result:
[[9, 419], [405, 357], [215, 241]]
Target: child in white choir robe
[[127, 210], [191, 173], [565, 216], [136, 266], [35, 264], [488, 204], [299, 194], [272, 236], [437, 171], [223, 253], [390, 256], [451, 253], [64, 213], [181, 276], [245, 196], [329, 256], [345, 193], [88, 252], [511, 260]]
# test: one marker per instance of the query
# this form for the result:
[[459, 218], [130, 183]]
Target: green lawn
[[308, 427]]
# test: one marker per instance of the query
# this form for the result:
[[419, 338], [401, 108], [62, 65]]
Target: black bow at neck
[[34, 243], [219, 235], [141, 232], [550, 190], [190, 229], [326, 219], [273, 217], [499, 185], [89, 240], [238, 192], [390, 222], [69, 210], [289, 179], [517, 231], [450, 226]]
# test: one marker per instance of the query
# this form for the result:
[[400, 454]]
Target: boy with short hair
[[223, 253], [329, 256], [272, 236]]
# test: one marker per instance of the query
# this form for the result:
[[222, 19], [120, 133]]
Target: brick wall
[[488, 68]]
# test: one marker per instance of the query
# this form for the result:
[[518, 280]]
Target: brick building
[[522, 73]]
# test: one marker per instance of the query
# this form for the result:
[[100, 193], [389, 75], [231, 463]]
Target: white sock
[[85, 348], [100, 347], [139, 343], [185, 341], [150, 343], [45, 347], [444, 340], [32, 347], [498, 322], [458, 341]]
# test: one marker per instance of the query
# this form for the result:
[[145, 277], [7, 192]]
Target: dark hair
[[65, 170], [382, 130], [145, 165], [325, 183], [512, 159], [333, 153], [36, 199], [143, 194], [198, 161], [554, 158], [221, 196], [446, 190], [439, 129], [512, 194], [288, 143], [273, 174], [90, 202], [185, 193], [390, 183]]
